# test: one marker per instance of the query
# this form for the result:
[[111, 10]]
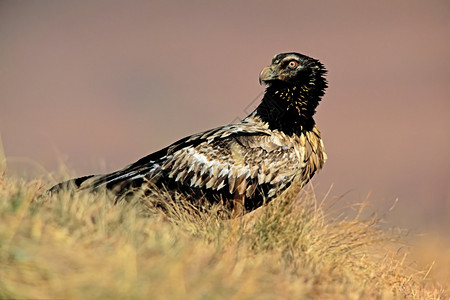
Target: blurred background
[[97, 85]]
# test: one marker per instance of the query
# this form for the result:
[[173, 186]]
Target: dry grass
[[82, 247]]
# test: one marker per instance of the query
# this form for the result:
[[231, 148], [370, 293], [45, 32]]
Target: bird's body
[[277, 148]]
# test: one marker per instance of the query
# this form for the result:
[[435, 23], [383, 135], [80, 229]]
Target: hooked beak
[[267, 74]]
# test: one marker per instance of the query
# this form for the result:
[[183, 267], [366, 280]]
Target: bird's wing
[[235, 158], [237, 163], [150, 165]]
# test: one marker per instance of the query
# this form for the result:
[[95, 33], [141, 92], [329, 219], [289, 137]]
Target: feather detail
[[232, 179]]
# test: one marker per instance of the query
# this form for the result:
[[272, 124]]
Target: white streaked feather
[[210, 182], [224, 172], [221, 185], [193, 179], [180, 174]]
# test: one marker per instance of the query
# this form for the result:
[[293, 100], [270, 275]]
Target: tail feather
[[69, 184], [117, 181]]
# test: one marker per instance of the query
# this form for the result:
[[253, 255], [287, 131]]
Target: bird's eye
[[292, 64]]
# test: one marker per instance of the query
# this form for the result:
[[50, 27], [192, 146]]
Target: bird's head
[[293, 69], [295, 85]]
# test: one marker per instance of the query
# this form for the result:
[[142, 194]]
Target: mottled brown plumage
[[276, 149]]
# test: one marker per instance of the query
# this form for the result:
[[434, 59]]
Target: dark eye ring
[[292, 64]]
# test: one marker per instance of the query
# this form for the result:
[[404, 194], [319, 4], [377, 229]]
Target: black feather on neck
[[290, 107]]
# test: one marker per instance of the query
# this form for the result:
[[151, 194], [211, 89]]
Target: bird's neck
[[289, 108]]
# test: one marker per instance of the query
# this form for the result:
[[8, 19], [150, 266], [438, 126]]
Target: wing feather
[[236, 159], [236, 164]]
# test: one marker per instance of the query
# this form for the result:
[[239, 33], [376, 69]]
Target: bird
[[275, 150]]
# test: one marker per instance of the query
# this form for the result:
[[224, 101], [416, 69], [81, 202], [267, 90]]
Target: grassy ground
[[82, 247]]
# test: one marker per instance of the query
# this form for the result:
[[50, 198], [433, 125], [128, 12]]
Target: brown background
[[97, 85]]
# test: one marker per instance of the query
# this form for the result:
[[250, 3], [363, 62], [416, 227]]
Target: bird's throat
[[287, 108]]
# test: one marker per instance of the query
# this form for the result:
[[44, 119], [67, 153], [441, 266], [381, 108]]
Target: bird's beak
[[267, 74]]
